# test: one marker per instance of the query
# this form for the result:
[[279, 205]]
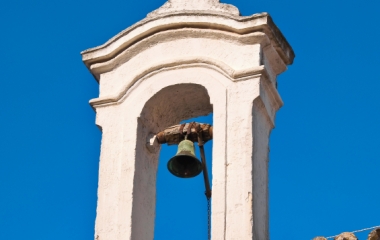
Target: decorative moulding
[[171, 21], [195, 5]]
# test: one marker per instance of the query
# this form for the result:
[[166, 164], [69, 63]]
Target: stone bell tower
[[186, 59]]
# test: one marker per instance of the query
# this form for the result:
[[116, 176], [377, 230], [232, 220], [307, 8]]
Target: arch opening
[[170, 106], [181, 209]]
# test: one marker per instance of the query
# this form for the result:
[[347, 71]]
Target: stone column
[[247, 157]]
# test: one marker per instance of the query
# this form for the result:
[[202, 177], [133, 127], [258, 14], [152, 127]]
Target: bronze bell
[[185, 164]]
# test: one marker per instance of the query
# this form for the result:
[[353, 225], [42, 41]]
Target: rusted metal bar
[[175, 134], [205, 173], [204, 164]]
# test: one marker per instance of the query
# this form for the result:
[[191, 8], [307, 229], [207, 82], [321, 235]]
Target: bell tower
[[187, 59]]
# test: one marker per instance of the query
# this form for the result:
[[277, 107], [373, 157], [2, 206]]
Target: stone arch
[[132, 179], [175, 103], [169, 106], [147, 109]]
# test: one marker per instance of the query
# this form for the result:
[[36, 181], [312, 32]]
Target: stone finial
[[195, 5], [346, 236], [374, 235], [319, 238]]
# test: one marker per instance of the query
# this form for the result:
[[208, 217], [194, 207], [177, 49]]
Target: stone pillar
[[187, 59]]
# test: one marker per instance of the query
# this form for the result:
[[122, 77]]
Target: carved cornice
[[197, 20]]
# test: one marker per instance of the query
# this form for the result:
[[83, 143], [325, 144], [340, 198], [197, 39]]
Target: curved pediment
[[210, 23]]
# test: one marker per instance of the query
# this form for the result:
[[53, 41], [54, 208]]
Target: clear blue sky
[[324, 159]]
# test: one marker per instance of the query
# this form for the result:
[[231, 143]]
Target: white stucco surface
[[187, 59]]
